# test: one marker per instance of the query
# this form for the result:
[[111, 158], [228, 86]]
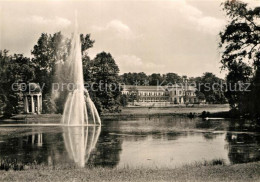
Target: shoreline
[[131, 112], [192, 172]]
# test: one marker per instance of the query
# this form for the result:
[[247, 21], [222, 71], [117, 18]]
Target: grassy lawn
[[241, 172]]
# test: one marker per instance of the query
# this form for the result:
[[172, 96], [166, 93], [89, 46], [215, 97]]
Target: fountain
[[79, 108]]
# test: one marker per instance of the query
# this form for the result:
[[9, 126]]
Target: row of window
[[190, 94], [161, 93], [156, 99], [175, 100], [148, 93]]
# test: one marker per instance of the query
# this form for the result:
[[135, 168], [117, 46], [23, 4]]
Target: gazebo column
[[38, 104], [41, 103], [26, 104], [32, 104]]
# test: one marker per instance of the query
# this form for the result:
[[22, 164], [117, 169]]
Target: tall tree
[[15, 70], [105, 89], [46, 53], [241, 56]]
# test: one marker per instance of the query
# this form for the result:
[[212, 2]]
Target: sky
[[151, 36]]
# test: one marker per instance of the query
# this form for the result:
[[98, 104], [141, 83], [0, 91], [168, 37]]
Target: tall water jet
[[79, 108]]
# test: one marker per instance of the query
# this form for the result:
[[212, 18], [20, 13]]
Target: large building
[[174, 94]]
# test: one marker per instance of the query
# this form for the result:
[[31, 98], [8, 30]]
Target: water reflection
[[243, 147], [145, 142], [80, 141], [36, 139], [108, 150]]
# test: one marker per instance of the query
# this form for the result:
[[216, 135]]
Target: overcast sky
[[143, 36]]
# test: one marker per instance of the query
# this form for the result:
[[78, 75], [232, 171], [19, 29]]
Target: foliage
[[124, 100], [46, 53], [153, 79], [133, 94], [200, 95], [210, 86], [240, 39], [172, 78], [15, 69], [241, 56], [134, 78], [104, 87]]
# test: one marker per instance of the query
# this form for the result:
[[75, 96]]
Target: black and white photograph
[[130, 90]]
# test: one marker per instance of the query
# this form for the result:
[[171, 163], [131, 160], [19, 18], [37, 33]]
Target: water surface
[[144, 142]]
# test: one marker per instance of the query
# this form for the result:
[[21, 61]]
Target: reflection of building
[[73, 145], [36, 138], [33, 99], [176, 94]]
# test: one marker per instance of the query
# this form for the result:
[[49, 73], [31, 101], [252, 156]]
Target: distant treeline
[[208, 85]]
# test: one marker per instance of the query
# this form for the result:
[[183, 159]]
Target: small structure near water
[[32, 99]]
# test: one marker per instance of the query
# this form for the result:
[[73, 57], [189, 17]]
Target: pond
[[157, 142]]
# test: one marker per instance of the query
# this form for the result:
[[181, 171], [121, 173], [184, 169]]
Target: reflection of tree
[[107, 150], [209, 135], [168, 135], [242, 125], [243, 147]]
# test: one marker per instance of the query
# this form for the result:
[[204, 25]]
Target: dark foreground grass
[[241, 172]]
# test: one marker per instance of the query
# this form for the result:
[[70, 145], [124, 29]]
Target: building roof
[[33, 88], [183, 86], [141, 87]]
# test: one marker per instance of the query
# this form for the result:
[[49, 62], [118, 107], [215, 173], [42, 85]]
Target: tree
[[133, 94], [105, 89], [210, 85], [240, 39], [86, 43], [200, 95], [124, 100], [46, 53], [134, 78], [172, 78], [15, 69], [4, 60], [155, 79], [241, 56]]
